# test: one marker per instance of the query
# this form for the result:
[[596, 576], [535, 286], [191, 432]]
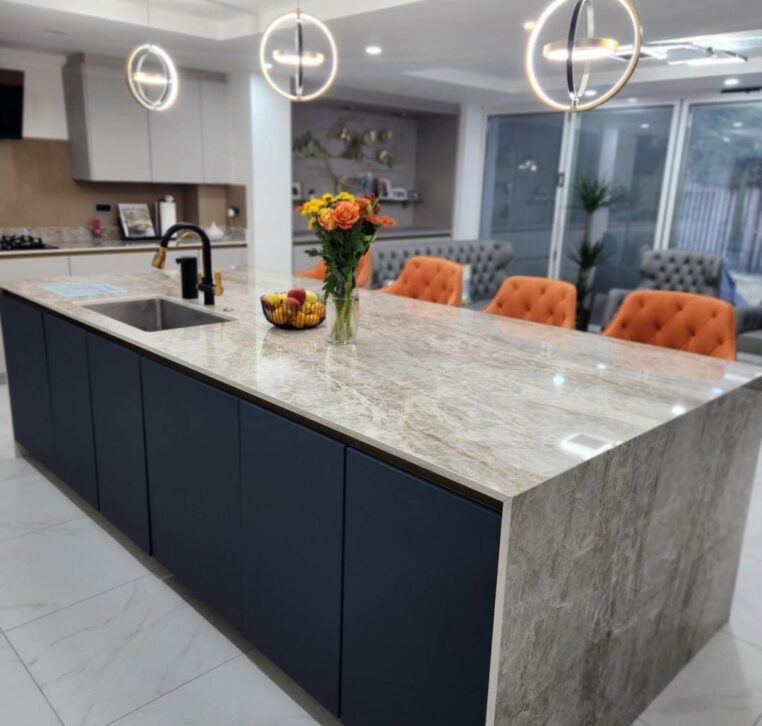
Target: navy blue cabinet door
[[74, 458], [27, 362], [419, 590], [192, 450], [119, 440], [293, 498]]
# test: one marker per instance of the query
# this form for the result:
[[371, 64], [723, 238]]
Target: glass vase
[[342, 317]]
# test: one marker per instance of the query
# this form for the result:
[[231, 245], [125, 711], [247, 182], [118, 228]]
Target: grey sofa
[[489, 261], [694, 272]]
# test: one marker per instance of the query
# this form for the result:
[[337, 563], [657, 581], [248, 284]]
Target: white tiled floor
[[94, 633]]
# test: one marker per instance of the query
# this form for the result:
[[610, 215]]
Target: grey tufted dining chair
[[696, 272], [676, 270]]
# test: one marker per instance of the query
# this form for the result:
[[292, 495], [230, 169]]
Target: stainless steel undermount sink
[[153, 314]]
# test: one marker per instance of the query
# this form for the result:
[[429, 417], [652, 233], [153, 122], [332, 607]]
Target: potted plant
[[592, 196], [346, 227]]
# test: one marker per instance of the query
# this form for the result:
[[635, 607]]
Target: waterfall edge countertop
[[494, 405]]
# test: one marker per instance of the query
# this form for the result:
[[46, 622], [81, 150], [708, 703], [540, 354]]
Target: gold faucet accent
[[185, 234], [160, 258], [219, 288]]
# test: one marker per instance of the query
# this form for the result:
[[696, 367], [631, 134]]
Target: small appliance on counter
[[21, 242]]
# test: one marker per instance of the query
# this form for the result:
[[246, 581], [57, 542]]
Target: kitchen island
[[460, 519]]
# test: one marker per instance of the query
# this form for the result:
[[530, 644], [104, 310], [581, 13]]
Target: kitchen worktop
[[493, 405], [110, 247], [388, 233]]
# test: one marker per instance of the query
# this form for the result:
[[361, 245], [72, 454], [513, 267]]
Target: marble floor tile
[[8, 448], [21, 701], [11, 468], [721, 686], [235, 694], [44, 571], [105, 657], [746, 616], [29, 503], [752, 543]]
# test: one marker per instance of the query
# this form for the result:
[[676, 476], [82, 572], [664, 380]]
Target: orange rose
[[326, 220], [346, 214], [380, 221]]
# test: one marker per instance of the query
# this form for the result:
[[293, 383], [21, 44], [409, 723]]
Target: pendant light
[[575, 50], [151, 74], [293, 64]]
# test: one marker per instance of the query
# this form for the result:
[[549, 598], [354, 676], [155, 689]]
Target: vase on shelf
[[342, 318]]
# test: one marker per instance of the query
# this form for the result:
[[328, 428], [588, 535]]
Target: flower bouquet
[[346, 227]]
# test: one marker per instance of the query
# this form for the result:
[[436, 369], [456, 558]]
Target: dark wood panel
[[119, 437], [68, 368], [27, 363], [192, 450], [292, 505], [419, 590]]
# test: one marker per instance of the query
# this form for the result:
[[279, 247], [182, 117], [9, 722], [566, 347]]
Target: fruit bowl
[[294, 310]]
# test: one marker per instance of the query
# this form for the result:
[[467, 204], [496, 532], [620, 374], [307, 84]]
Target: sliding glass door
[[622, 152], [520, 184], [718, 205]]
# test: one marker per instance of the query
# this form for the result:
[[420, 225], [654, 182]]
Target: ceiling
[[438, 51]]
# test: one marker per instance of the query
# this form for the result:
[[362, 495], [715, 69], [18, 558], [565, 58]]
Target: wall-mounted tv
[[11, 104]]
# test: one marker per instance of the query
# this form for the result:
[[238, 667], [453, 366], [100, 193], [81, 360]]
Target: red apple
[[292, 303], [299, 294]]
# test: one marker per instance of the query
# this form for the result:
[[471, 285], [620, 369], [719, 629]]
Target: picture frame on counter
[[297, 191], [384, 188], [136, 221]]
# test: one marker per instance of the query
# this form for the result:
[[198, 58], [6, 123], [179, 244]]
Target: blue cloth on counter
[[73, 290]]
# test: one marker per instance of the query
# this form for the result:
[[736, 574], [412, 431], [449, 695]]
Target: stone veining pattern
[[620, 570], [492, 404]]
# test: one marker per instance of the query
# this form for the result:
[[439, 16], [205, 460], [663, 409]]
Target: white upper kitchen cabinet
[[176, 139], [114, 139], [215, 121], [108, 131]]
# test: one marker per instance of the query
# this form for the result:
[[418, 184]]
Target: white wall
[[44, 110], [261, 138], [469, 171]]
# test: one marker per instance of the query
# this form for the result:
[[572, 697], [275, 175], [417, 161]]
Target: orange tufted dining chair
[[433, 279], [679, 320], [537, 300], [364, 270]]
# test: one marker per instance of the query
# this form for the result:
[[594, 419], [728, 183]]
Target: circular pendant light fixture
[[152, 77], [575, 50], [293, 65], [151, 74]]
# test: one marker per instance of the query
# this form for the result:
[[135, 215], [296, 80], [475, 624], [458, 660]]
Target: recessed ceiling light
[[645, 126], [726, 139], [374, 50], [529, 25], [738, 125], [269, 66], [632, 100], [730, 82], [591, 93]]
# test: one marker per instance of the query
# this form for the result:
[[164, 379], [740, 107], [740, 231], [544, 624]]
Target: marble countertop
[[494, 405], [110, 247], [308, 238]]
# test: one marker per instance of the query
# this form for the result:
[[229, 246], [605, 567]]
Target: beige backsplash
[[36, 190]]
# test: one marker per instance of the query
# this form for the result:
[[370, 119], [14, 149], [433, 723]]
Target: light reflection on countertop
[[493, 404]]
